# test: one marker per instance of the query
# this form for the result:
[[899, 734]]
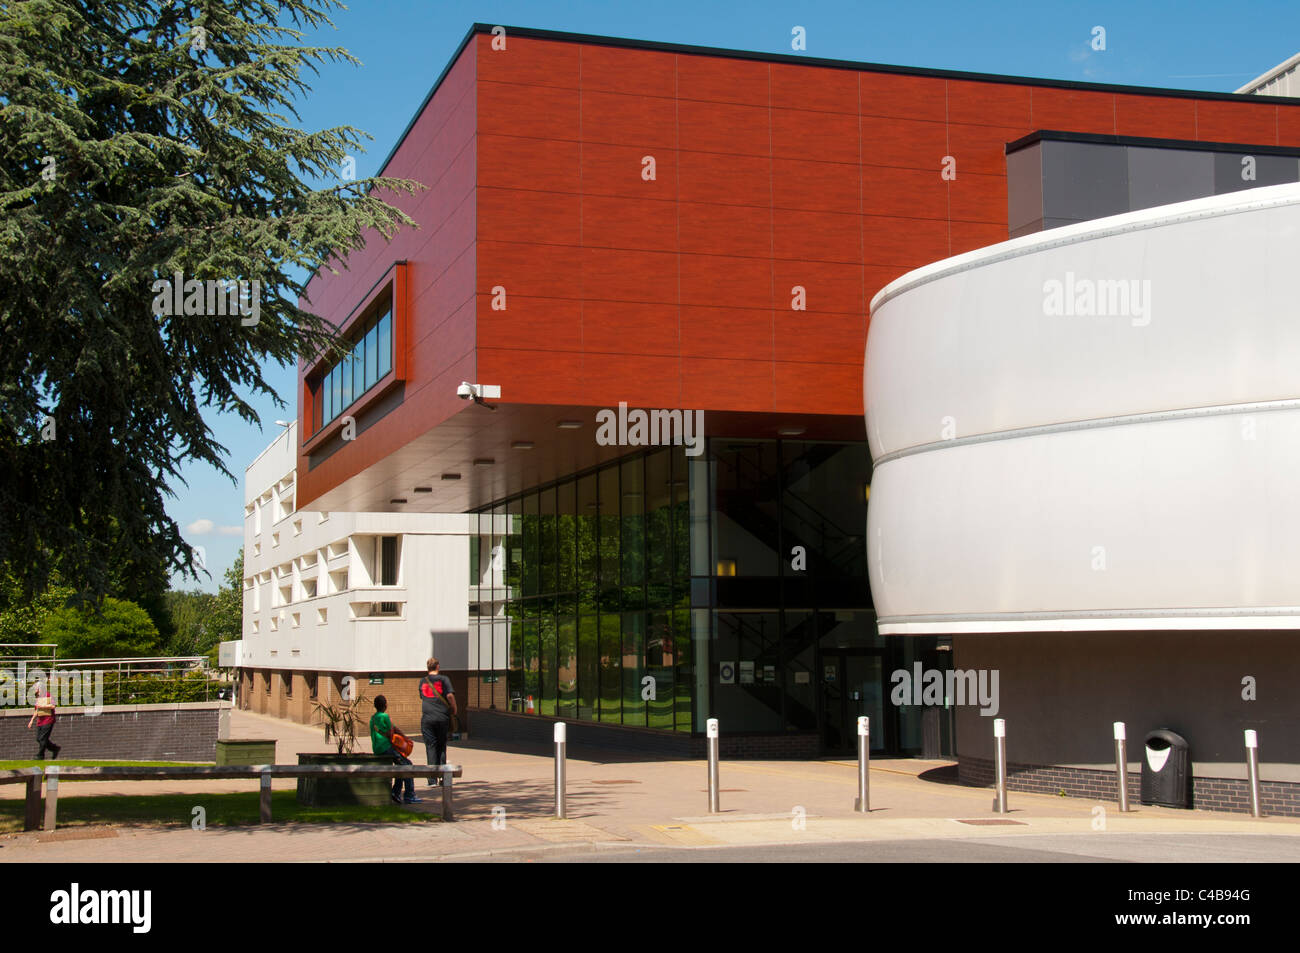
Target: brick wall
[[290, 695], [171, 732], [509, 726], [1278, 798]]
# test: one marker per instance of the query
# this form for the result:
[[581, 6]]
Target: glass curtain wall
[[659, 589], [595, 595]]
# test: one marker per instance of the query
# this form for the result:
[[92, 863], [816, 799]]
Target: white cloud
[[205, 527]]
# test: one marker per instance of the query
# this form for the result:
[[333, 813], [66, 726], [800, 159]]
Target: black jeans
[[435, 740], [399, 783], [43, 739]]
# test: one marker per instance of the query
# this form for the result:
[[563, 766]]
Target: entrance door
[[852, 685]]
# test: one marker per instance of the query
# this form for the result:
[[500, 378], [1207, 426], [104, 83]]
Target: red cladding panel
[[992, 104], [1237, 122], [1155, 117], [675, 289], [641, 72], [1076, 110]]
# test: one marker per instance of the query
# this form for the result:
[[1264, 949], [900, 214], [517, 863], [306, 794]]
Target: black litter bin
[[1166, 769]]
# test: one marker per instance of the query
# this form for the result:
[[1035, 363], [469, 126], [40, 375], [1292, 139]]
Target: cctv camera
[[465, 391]]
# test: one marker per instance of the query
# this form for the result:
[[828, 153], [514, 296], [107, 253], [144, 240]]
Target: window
[[385, 330], [311, 679], [388, 560], [345, 367], [372, 357], [336, 389], [368, 362]]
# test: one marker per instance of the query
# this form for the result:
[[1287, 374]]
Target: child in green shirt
[[381, 742]]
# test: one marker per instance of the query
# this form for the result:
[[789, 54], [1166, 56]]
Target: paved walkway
[[506, 799]]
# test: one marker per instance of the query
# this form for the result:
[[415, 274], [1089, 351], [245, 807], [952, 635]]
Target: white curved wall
[[1006, 494]]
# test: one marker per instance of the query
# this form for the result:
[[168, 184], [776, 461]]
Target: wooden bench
[[51, 774]]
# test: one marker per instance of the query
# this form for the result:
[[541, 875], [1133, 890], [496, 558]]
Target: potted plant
[[343, 721]]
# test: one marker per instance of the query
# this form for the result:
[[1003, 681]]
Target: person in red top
[[44, 718], [437, 707]]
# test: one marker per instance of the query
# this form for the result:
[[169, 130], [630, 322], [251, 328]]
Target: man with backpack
[[437, 706]]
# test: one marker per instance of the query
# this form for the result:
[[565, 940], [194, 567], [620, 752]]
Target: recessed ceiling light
[[424, 489], [484, 462], [522, 445], [791, 431], [397, 501], [451, 476], [569, 424]]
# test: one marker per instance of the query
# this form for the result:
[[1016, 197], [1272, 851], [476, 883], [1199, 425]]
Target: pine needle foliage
[[140, 139]]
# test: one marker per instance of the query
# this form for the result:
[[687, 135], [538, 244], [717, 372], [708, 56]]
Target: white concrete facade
[[315, 597], [1094, 427]]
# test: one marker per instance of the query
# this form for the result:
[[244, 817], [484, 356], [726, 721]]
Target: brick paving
[[505, 803]]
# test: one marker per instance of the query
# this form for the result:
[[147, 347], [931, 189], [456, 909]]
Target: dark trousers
[[435, 740], [399, 783], [43, 739]]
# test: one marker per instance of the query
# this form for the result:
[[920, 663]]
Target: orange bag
[[402, 744]]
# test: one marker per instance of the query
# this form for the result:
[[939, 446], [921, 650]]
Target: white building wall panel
[[1038, 470]]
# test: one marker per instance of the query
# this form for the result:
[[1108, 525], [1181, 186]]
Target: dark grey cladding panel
[[1084, 181], [1025, 189], [1230, 171], [1056, 182], [1163, 176]]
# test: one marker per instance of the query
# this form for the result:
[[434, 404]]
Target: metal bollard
[[1252, 764], [863, 804], [711, 730], [1000, 741], [51, 797], [1121, 764], [560, 744]]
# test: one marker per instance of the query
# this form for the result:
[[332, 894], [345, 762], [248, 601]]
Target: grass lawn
[[223, 810], [10, 765]]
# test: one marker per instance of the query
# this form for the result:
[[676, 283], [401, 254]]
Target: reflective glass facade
[[367, 363], [660, 590]]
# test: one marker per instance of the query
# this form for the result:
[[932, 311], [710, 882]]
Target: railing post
[[446, 793], [1000, 742], [1252, 766], [51, 797], [32, 812], [1121, 765], [711, 730], [560, 745], [264, 801], [863, 805]]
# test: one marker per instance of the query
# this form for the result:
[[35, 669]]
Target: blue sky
[[404, 44]]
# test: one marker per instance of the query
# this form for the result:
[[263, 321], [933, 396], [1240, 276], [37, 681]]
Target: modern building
[[330, 596], [1110, 523], [613, 227], [1281, 80]]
